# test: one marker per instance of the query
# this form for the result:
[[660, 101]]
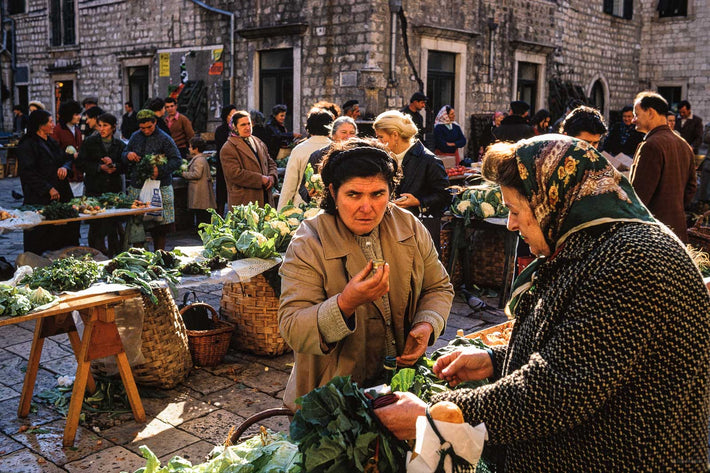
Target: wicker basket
[[165, 344], [699, 234], [208, 347], [487, 256], [252, 307]]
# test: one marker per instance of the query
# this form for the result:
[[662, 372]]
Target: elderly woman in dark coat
[[44, 169], [607, 366]]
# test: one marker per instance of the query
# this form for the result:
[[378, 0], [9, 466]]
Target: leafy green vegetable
[[253, 244], [66, 274], [141, 268], [59, 211], [16, 301], [336, 432]]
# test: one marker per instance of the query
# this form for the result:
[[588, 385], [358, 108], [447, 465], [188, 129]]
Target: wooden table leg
[[129, 385], [82, 372], [32, 367], [76, 345]]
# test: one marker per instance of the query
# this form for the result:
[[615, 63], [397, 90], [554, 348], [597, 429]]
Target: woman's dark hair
[[500, 165], [94, 112], [583, 119], [225, 113], [67, 110], [279, 108], [257, 118], [107, 118], [37, 119], [198, 143], [319, 122], [356, 157], [540, 116]]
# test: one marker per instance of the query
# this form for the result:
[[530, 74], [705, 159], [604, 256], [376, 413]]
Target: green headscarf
[[570, 187]]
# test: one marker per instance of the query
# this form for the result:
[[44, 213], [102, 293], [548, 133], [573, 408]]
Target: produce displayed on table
[[66, 274], [250, 231], [4, 215], [457, 171], [479, 202], [313, 181], [183, 168], [16, 301], [87, 205], [58, 211]]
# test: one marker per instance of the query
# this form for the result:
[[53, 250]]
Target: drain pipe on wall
[[395, 7], [231, 42]]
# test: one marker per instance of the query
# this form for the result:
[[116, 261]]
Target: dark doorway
[[527, 84], [276, 81], [138, 82]]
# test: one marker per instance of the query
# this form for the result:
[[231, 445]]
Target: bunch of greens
[[16, 301], [144, 168], [110, 396], [115, 200], [265, 453], [66, 274], [203, 267], [59, 211], [142, 269], [421, 380], [183, 168], [336, 432], [313, 181], [479, 202]]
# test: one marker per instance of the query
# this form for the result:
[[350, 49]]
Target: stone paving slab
[[177, 409], [8, 393], [51, 350], [243, 400], [8, 445], [11, 425], [195, 453], [204, 382], [27, 461], [214, 427], [161, 437], [13, 334], [112, 459]]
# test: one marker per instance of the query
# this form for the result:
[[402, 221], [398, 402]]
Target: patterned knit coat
[[608, 367]]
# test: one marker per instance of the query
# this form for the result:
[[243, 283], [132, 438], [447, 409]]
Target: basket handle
[[703, 218], [187, 296], [259, 416], [215, 314]]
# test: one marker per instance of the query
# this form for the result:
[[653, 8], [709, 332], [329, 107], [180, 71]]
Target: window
[[441, 78], [527, 84], [672, 94], [15, 6], [620, 8], [276, 80], [63, 91], [669, 8], [62, 22]]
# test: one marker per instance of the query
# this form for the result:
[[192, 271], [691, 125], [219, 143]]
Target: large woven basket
[[486, 250], [165, 345], [699, 234], [208, 347], [252, 306]]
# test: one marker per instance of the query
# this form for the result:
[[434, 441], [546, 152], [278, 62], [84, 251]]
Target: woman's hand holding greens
[[363, 288]]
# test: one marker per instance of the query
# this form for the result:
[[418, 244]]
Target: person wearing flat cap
[[351, 109], [416, 103]]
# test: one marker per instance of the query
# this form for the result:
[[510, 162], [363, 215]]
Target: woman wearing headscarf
[[68, 134], [607, 366], [422, 189], [340, 315], [448, 137], [44, 169]]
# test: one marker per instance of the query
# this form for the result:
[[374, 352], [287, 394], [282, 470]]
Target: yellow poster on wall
[[164, 64]]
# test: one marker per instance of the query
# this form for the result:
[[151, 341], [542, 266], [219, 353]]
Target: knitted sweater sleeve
[[599, 341]]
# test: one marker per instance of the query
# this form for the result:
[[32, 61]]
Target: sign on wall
[[164, 68]]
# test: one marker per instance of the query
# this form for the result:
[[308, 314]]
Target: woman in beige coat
[[341, 316], [200, 191]]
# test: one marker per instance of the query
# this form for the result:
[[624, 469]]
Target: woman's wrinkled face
[[361, 203], [521, 219], [452, 115], [344, 132], [106, 130], [147, 128], [48, 127]]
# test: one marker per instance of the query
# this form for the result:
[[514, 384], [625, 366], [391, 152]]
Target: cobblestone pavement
[[187, 420]]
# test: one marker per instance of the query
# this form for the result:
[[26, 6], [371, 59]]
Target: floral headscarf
[[442, 118], [570, 187]]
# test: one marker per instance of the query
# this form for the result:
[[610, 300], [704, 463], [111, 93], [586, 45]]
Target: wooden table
[[100, 339], [109, 213]]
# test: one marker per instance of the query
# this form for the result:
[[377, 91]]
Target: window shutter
[[628, 9], [609, 6], [55, 22]]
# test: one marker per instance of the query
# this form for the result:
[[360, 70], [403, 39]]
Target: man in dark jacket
[[129, 123], [689, 126], [515, 126], [663, 172], [623, 136], [416, 103], [278, 136]]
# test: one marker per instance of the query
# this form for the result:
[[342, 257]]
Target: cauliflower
[[291, 211], [463, 206], [281, 227], [294, 222], [487, 210], [70, 150], [255, 216], [312, 212]]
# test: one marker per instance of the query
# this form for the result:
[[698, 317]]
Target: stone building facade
[[476, 55]]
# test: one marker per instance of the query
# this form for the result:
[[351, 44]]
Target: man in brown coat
[[179, 125], [249, 172], [663, 171]]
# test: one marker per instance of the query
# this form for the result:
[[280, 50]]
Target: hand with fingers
[[470, 364], [363, 288]]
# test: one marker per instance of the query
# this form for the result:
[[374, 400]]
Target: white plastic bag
[[150, 192]]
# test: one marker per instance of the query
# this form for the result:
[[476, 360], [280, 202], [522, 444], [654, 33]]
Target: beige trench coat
[[243, 171], [200, 191], [321, 259]]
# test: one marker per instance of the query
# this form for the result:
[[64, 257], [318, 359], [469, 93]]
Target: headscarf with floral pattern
[[442, 118], [570, 186]]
